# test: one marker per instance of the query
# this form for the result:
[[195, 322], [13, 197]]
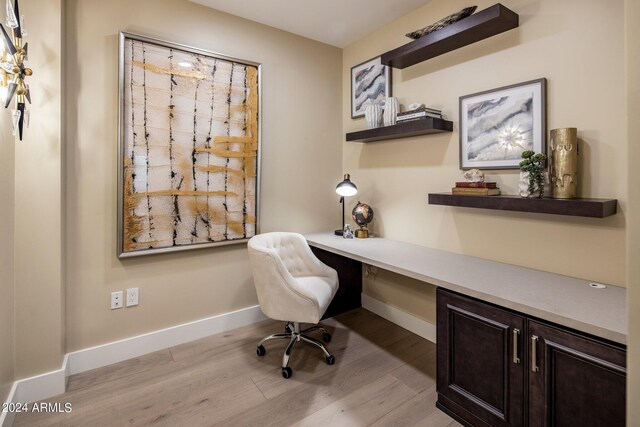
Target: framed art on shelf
[[189, 147], [370, 83], [497, 125]]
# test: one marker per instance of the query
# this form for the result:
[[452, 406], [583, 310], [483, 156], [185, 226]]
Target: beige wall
[[632, 47], [7, 148], [578, 46], [38, 202], [301, 163]]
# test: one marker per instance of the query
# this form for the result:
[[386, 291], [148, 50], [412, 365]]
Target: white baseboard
[[41, 386], [53, 383], [6, 418], [117, 351], [401, 318], [35, 388]]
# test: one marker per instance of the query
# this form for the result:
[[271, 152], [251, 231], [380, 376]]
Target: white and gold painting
[[189, 147]]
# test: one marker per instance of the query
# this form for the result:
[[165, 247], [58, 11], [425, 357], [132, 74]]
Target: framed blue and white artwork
[[497, 125], [370, 83]]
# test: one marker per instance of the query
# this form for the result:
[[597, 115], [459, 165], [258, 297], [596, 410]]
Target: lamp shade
[[346, 188]]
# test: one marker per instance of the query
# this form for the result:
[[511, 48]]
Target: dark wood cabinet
[[480, 376], [573, 380], [497, 367]]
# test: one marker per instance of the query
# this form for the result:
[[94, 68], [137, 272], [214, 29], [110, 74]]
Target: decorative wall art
[[189, 147], [497, 125], [370, 83]]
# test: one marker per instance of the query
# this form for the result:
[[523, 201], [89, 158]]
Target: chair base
[[294, 334]]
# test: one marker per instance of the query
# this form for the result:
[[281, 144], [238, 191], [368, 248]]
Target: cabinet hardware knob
[[534, 357], [516, 337]]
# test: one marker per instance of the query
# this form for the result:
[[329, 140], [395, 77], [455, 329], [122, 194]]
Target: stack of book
[[476, 189], [419, 114]]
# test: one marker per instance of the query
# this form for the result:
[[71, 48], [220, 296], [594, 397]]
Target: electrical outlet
[[132, 297], [116, 300]]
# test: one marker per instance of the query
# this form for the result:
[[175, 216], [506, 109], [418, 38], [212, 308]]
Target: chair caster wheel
[[331, 360], [287, 372], [260, 351], [287, 329], [326, 337]]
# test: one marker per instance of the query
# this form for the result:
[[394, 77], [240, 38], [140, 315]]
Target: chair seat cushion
[[322, 288]]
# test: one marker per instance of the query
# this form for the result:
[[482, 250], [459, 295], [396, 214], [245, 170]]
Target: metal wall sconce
[[12, 69]]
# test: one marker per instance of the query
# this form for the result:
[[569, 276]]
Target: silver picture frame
[[370, 83], [127, 128], [497, 125]]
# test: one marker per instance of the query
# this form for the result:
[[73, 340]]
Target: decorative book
[[479, 184], [418, 116], [422, 109], [475, 191]]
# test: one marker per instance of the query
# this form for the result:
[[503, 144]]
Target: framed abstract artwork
[[497, 125], [370, 83], [189, 147]]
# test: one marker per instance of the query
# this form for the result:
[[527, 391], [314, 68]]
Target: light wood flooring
[[383, 376]]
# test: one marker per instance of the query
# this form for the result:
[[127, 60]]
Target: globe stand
[[362, 214], [362, 233]]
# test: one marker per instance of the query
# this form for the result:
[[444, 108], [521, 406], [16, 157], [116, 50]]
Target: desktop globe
[[362, 214]]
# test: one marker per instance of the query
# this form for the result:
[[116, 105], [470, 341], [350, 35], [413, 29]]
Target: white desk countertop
[[564, 300]]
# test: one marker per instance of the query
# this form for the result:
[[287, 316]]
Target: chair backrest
[[291, 249]]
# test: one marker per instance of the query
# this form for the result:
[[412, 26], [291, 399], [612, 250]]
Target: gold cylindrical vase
[[564, 163]]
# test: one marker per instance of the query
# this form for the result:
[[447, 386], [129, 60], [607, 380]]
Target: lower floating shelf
[[594, 208]]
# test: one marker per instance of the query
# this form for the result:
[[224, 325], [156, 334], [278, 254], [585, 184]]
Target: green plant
[[534, 164]]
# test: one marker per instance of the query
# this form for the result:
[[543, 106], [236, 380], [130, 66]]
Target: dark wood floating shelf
[[594, 208], [402, 130], [479, 26]]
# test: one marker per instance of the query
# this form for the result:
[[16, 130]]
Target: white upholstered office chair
[[293, 286]]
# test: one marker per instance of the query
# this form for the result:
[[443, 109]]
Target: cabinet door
[[574, 380], [480, 361]]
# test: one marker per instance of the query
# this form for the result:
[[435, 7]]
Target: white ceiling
[[335, 22]]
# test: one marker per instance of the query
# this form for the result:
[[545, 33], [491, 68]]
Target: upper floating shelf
[[402, 130], [479, 26]]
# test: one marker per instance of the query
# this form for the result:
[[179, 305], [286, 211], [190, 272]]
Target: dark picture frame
[[497, 125], [370, 83]]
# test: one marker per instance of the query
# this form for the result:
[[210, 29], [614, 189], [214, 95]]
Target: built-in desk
[[538, 356], [563, 300]]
